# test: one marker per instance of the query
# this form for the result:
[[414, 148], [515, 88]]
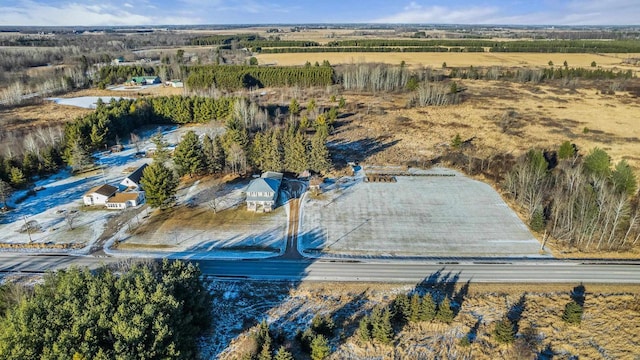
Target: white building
[[124, 200], [132, 182], [262, 193], [99, 195]]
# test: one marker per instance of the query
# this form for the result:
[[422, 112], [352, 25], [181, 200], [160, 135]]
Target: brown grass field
[[608, 310], [435, 60]]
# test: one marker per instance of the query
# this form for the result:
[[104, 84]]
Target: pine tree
[[294, 107], [295, 152], [208, 151], [319, 155], [16, 177], [320, 348], [414, 308], [572, 313], [381, 328], [445, 313], [218, 155], [160, 185], [265, 352], [566, 150], [323, 325], [364, 329], [427, 308], [504, 331], [189, 156], [401, 307], [161, 153], [283, 354]]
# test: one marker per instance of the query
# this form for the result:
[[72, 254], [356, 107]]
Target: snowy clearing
[[87, 102], [449, 215]]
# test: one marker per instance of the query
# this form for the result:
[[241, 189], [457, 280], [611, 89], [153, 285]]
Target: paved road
[[387, 271]]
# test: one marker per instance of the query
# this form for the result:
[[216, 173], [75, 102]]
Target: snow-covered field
[[416, 216], [87, 102]]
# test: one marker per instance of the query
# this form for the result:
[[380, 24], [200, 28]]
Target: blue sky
[[158, 12]]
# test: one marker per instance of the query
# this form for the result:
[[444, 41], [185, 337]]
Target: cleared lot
[[417, 215]]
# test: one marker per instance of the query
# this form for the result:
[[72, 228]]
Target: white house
[[99, 195], [126, 199], [262, 193], [132, 182]]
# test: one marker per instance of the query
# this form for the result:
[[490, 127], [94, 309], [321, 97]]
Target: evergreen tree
[[283, 354], [445, 313], [623, 178], [364, 329], [414, 308], [320, 348], [572, 313], [401, 307], [566, 151], [16, 177], [295, 152], [161, 153], [427, 308], [160, 185], [319, 155], [381, 328], [504, 331], [189, 156], [598, 163], [265, 352], [323, 325], [30, 164], [208, 152], [294, 107], [219, 156]]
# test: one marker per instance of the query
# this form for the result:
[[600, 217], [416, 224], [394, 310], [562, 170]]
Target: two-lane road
[[516, 271]]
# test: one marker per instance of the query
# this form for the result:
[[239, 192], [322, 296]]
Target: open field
[[422, 216], [435, 60], [539, 116], [609, 328]]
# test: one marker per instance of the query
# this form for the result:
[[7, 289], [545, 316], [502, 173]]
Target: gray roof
[[263, 185]]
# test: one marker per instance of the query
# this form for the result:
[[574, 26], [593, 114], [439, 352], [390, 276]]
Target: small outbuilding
[[99, 195]]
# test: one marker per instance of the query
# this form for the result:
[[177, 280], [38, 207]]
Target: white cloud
[[415, 13], [127, 5], [584, 12], [74, 14]]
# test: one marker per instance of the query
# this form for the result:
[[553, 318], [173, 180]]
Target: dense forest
[[232, 77], [153, 311]]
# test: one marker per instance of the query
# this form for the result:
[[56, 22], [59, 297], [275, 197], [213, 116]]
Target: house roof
[[263, 185], [104, 190], [137, 174], [123, 197]]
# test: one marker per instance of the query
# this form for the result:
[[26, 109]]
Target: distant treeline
[[232, 77], [283, 50], [538, 75], [389, 45]]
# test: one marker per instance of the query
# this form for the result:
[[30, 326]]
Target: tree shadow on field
[[345, 151], [515, 312]]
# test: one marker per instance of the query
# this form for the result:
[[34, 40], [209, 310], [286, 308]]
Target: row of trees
[[233, 77], [582, 201], [147, 312], [538, 75], [373, 77]]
